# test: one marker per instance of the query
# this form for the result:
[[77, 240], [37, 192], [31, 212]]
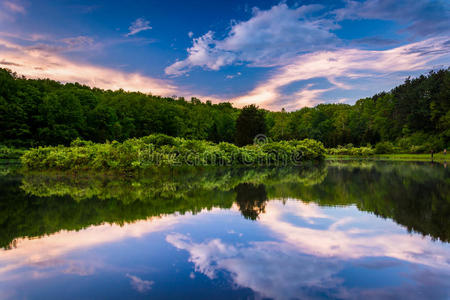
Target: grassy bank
[[161, 150], [438, 157]]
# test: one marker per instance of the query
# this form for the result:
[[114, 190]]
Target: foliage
[[414, 116], [45, 112], [384, 148], [10, 152], [420, 106], [161, 150], [420, 142], [355, 151]]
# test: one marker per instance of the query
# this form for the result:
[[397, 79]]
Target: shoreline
[[439, 157]]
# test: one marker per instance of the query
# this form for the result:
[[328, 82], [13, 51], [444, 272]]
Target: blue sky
[[275, 54]]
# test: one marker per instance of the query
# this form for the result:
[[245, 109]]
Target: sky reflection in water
[[294, 249]]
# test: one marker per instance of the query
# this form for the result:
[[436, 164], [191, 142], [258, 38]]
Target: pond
[[335, 230]]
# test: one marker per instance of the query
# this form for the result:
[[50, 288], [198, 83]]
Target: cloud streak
[[344, 239], [140, 285], [8, 10], [14, 7], [421, 17], [137, 26], [48, 249], [339, 67], [41, 61]]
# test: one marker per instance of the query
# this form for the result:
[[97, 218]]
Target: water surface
[[340, 230]]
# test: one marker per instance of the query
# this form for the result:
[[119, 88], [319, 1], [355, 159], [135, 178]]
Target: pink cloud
[[338, 65], [38, 62], [14, 7]]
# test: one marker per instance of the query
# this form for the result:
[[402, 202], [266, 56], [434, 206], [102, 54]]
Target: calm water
[[340, 230]]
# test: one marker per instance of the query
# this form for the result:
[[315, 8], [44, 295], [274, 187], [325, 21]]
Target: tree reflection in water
[[251, 199], [415, 195]]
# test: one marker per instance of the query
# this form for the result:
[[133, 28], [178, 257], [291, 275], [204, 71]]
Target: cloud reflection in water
[[304, 262]]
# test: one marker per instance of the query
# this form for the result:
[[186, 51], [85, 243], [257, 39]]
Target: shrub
[[134, 154], [10, 152], [384, 148], [311, 149], [160, 139], [420, 142], [361, 151]]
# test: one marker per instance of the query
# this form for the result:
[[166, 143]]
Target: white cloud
[[190, 34], [338, 66], [139, 25], [139, 284], [201, 54], [299, 42], [231, 76], [269, 38], [268, 268]]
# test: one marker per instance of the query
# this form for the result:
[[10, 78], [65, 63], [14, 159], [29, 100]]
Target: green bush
[[308, 149], [420, 142], [160, 139], [384, 148], [10, 152], [160, 150], [361, 151], [416, 143]]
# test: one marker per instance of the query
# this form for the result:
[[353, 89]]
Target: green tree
[[250, 123], [280, 129]]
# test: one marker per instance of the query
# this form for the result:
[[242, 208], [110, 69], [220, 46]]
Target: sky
[[287, 54]]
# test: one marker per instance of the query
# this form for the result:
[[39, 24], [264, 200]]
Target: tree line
[[414, 116]]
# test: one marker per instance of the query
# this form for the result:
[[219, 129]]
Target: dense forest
[[414, 116]]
